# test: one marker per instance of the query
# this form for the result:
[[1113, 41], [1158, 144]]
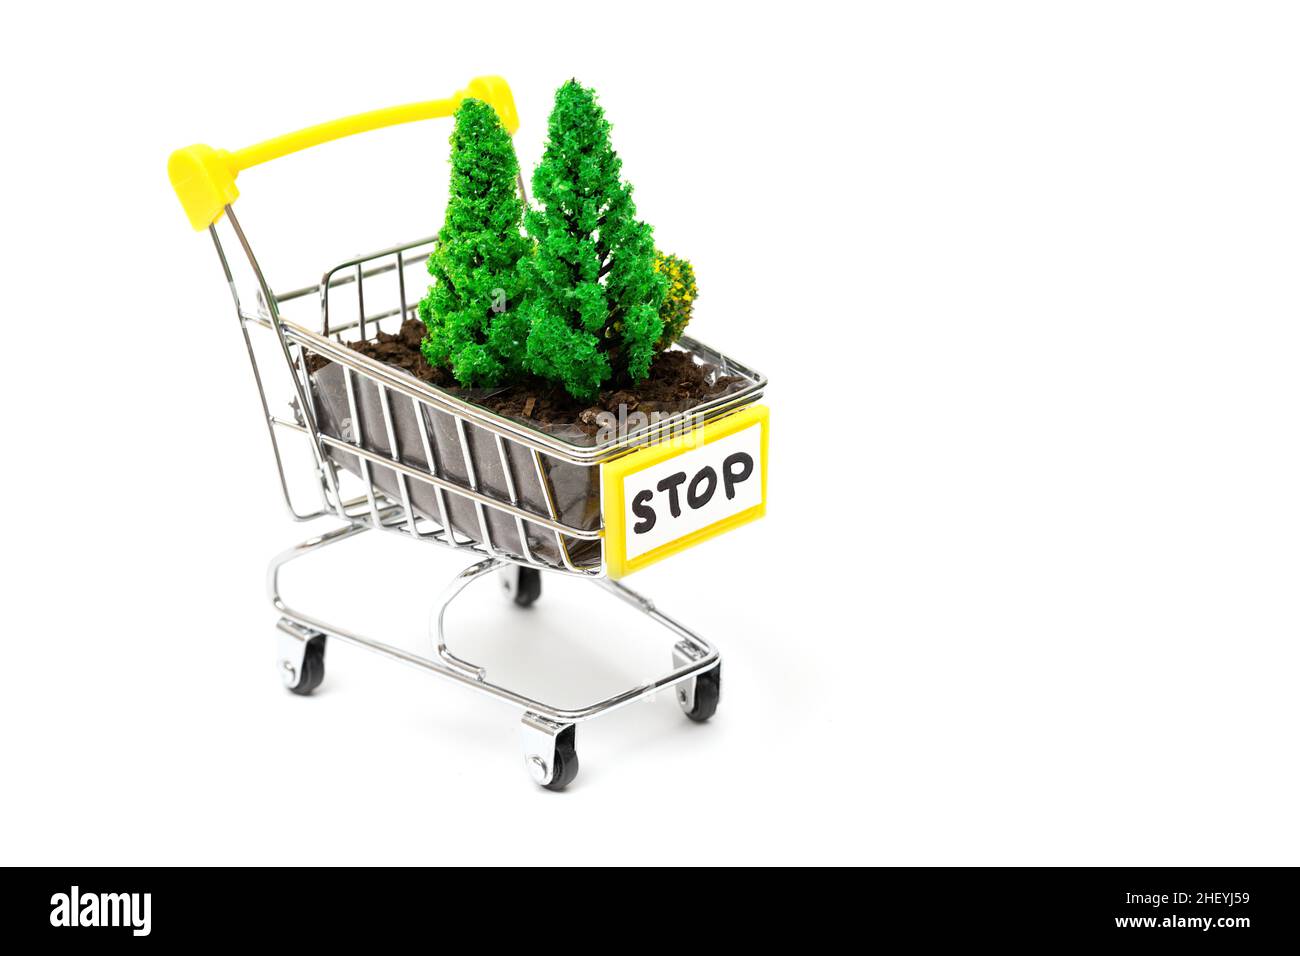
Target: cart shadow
[[552, 655]]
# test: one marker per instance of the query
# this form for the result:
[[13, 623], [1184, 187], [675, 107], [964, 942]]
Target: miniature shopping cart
[[390, 452]]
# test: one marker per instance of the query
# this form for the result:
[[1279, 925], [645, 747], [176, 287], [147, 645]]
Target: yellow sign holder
[[613, 473]]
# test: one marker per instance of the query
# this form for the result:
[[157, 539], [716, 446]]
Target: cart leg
[[301, 658], [437, 628], [697, 695], [550, 756]]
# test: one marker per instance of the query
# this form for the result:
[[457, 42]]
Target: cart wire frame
[[547, 731]]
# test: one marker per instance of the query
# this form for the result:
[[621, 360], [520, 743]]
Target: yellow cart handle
[[204, 178]]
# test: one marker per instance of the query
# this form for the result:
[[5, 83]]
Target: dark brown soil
[[676, 383]]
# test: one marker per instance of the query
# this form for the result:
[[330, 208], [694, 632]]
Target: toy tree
[[679, 300], [472, 314], [594, 293]]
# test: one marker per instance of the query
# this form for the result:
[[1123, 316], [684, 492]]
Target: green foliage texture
[[679, 300], [593, 291], [472, 312]]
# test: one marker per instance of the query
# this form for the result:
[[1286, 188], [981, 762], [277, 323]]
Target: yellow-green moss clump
[[679, 299]]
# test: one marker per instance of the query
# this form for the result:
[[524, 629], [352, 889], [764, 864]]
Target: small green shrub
[[472, 312], [679, 300], [593, 292]]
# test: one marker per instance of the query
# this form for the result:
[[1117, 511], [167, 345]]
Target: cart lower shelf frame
[[547, 732]]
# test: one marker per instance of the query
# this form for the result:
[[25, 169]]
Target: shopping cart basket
[[390, 452]]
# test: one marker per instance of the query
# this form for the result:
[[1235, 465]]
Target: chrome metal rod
[[707, 660], [349, 278]]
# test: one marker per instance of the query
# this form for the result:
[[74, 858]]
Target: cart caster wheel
[[550, 755], [312, 672], [566, 760], [522, 585], [704, 703]]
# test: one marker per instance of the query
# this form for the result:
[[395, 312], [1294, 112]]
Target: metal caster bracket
[[684, 654], [550, 754], [548, 732], [292, 645]]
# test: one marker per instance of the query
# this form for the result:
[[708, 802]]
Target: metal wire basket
[[390, 452]]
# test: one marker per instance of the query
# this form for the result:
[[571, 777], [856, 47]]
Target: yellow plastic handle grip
[[204, 178]]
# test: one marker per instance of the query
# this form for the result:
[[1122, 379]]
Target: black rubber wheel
[[708, 688], [528, 586], [566, 759], [313, 667]]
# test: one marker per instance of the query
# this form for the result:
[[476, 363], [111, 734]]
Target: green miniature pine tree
[[594, 294], [472, 314]]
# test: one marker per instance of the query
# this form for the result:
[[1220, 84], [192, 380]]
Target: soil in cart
[[676, 383]]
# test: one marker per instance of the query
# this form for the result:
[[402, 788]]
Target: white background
[[1024, 279]]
